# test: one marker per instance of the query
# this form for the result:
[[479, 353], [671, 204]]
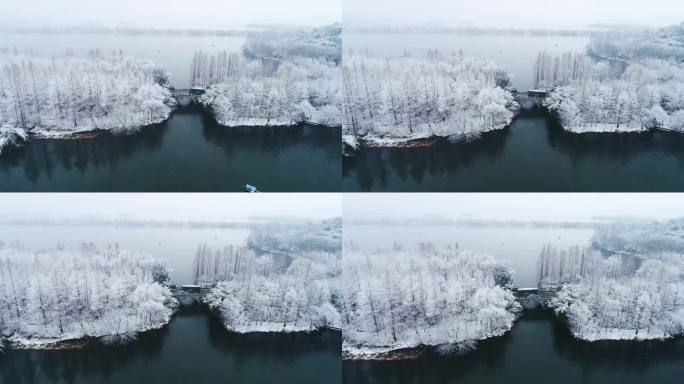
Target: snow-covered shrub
[[119, 339], [53, 295], [616, 298], [406, 97], [66, 94], [397, 299], [11, 136]]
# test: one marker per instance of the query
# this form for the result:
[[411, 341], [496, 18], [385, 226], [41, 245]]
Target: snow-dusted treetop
[[53, 295], [621, 297], [61, 95], [400, 298], [285, 279], [396, 98]]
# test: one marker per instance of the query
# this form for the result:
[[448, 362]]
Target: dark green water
[[189, 152], [533, 154], [194, 348], [537, 350]]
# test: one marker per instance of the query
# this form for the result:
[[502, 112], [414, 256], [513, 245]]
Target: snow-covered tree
[[617, 297], [284, 78], [53, 295], [285, 279], [61, 95], [399, 298], [397, 98]]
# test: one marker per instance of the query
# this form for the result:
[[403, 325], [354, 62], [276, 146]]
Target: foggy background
[[512, 206], [197, 14], [529, 14], [169, 206]]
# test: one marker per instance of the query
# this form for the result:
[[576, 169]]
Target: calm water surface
[[538, 350], [193, 348], [188, 152], [533, 154]]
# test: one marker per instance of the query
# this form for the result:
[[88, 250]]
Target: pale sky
[[170, 206], [514, 13], [181, 14], [513, 206]]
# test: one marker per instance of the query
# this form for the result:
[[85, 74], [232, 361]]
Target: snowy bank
[[58, 296], [446, 298], [618, 297], [403, 98], [57, 97]]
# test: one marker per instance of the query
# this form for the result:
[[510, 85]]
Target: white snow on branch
[[396, 299], [407, 97], [56, 295], [63, 95], [621, 297]]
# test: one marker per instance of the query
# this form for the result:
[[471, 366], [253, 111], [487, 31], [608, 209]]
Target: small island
[[398, 302]]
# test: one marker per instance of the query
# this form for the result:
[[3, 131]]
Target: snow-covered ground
[[446, 298], [52, 296], [388, 100], [59, 96], [621, 297]]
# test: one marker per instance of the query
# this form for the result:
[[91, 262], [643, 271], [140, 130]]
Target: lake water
[[517, 246], [193, 348], [171, 52], [188, 152], [532, 155], [537, 350], [175, 246], [517, 54]]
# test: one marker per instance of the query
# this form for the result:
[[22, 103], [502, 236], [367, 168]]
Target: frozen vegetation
[[286, 280], [621, 297], [60, 96], [629, 85], [389, 100], [642, 237], [444, 298], [50, 296], [280, 79]]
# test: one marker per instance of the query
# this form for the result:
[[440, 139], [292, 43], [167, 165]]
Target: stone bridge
[[531, 298], [187, 96], [190, 294], [530, 99]]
